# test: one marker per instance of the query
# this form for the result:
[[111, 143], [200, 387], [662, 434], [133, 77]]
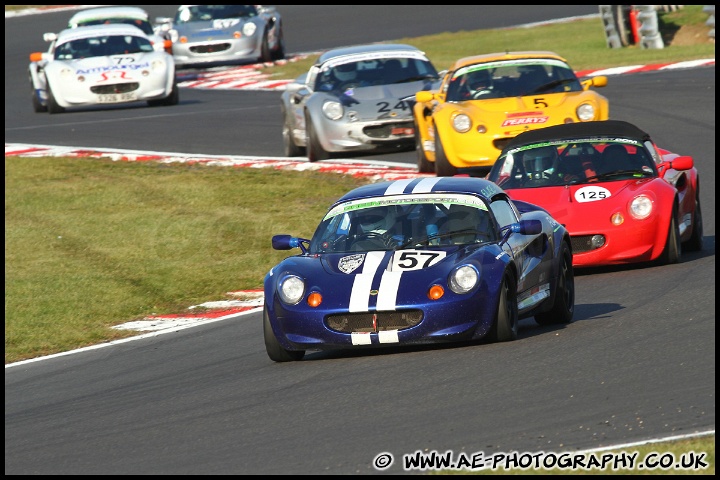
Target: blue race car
[[418, 261]]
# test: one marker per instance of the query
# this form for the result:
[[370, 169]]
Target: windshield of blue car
[[399, 222], [373, 72], [202, 13], [143, 25], [577, 162], [102, 46], [504, 79]]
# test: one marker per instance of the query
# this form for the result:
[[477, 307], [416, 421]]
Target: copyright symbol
[[383, 461]]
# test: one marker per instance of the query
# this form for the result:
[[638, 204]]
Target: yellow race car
[[485, 100]]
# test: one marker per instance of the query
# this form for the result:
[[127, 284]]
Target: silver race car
[[212, 35], [355, 99], [100, 65]]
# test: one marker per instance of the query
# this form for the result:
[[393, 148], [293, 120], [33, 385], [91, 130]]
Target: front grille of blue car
[[582, 243], [386, 130], [117, 88], [374, 321], [214, 48]]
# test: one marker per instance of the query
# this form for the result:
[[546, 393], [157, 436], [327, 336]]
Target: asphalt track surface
[[637, 364]]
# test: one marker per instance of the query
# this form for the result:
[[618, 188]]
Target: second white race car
[[101, 65]]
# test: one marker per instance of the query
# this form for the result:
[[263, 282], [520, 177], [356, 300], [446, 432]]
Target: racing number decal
[[591, 194], [415, 259], [123, 60], [384, 107], [540, 103]]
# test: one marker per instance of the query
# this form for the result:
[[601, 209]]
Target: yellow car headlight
[[461, 123], [586, 112]]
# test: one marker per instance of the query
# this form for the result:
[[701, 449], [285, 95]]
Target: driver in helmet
[[345, 72], [338, 77], [375, 223], [379, 223], [479, 84]]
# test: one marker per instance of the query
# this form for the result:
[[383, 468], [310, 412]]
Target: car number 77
[[416, 259]]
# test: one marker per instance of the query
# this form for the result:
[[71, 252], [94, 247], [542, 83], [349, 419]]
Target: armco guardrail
[[710, 9], [637, 24], [648, 27]]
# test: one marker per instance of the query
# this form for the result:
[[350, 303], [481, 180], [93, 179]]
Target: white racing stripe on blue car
[[362, 285], [387, 295], [426, 185], [360, 338], [389, 336], [398, 186], [360, 295]]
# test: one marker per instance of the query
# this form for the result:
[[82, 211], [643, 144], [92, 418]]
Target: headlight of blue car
[[463, 279], [291, 289]]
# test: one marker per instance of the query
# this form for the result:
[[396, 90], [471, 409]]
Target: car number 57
[[416, 259]]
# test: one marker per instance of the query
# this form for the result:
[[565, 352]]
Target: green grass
[[94, 243], [582, 43]]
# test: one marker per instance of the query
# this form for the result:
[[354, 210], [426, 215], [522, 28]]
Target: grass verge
[[582, 42], [93, 243]]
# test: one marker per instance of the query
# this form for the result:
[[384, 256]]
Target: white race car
[[100, 65]]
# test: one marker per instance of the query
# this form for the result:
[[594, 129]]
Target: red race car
[[622, 198]]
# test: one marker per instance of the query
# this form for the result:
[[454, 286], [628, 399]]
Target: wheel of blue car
[[37, 106], [52, 105], [315, 151], [673, 248], [695, 244], [265, 53], [289, 147], [424, 165], [505, 327], [274, 350], [564, 303], [442, 165]]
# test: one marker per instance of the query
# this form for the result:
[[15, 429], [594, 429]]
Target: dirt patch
[[691, 35]]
